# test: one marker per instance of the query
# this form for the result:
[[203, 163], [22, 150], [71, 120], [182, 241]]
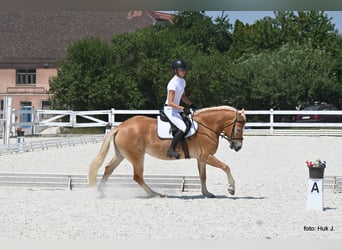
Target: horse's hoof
[[209, 195], [101, 195], [157, 195], [231, 191]]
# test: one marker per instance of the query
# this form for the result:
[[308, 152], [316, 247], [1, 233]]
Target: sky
[[251, 16]]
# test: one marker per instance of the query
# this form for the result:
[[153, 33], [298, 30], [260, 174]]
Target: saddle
[[166, 130]]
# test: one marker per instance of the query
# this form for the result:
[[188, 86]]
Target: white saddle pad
[[164, 129]]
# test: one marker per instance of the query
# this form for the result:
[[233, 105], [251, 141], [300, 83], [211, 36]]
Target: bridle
[[231, 137], [223, 134]]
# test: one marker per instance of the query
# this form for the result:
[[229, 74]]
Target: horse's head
[[235, 130], [225, 121]]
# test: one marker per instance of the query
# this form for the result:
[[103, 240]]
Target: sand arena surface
[[269, 203]]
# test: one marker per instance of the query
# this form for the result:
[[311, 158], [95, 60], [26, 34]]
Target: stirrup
[[172, 154]]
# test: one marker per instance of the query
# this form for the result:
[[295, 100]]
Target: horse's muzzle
[[236, 145]]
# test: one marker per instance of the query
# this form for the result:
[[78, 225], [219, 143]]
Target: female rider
[[172, 108]]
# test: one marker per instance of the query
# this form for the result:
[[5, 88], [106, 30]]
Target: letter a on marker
[[315, 187]]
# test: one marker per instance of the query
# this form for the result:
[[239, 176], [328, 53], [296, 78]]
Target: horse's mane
[[224, 107]]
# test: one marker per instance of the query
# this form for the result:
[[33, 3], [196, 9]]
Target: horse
[[136, 136]]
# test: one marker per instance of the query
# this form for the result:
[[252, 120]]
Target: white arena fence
[[271, 121], [76, 181], [22, 146]]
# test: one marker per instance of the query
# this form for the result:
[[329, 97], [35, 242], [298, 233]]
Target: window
[[26, 76], [46, 105]]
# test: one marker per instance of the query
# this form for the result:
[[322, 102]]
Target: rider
[[172, 108]]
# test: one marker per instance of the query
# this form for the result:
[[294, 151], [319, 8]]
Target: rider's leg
[[172, 150], [176, 119], [187, 123]]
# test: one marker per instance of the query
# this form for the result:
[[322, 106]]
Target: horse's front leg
[[213, 161], [203, 176]]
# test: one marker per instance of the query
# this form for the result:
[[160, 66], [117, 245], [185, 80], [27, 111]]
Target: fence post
[[14, 119], [34, 128], [32, 120], [113, 116], [271, 121], [72, 118], [7, 117]]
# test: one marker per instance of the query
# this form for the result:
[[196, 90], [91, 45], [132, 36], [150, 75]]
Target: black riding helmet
[[179, 64]]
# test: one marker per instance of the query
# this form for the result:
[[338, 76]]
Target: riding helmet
[[179, 64]]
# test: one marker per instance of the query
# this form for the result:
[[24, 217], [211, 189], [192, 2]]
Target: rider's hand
[[193, 107], [186, 111]]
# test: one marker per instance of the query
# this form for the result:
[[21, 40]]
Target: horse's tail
[[97, 162]]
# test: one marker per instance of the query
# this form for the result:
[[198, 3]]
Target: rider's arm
[[186, 99]]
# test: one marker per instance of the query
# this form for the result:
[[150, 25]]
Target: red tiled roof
[[161, 16]]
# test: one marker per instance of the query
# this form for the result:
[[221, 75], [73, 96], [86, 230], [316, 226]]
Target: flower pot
[[316, 173]]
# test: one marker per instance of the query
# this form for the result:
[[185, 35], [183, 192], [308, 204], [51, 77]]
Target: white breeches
[[175, 117]]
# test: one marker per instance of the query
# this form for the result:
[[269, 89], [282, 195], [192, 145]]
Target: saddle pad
[[164, 129]]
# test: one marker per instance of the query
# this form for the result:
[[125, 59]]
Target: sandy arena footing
[[269, 203]]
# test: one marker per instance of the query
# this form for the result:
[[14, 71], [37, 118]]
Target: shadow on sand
[[192, 197]]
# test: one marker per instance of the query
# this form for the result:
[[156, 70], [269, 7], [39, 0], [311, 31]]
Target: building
[[32, 44]]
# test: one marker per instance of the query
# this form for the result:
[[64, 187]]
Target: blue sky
[[251, 16]]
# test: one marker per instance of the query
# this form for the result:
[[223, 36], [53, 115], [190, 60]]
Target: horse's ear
[[242, 112]]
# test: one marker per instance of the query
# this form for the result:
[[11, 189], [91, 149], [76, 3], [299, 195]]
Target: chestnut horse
[[138, 135]]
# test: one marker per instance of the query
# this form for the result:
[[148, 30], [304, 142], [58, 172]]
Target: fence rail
[[69, 118], [333, 182], [266, 119], [74, 181], [21, 147], [272, 123]]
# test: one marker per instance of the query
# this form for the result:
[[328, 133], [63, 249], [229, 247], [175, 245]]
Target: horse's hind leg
[[110, 167], [138, 165], [213, 161]]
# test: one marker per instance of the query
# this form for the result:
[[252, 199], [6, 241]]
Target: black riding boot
[[172, 150]]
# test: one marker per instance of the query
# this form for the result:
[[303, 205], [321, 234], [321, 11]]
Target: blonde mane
[[224, 107]]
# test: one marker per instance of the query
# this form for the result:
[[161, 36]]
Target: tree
[[312, 27], [286, 77], [196, 28], [305, 27], [284, 61], [134, 69], [88, 79]]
